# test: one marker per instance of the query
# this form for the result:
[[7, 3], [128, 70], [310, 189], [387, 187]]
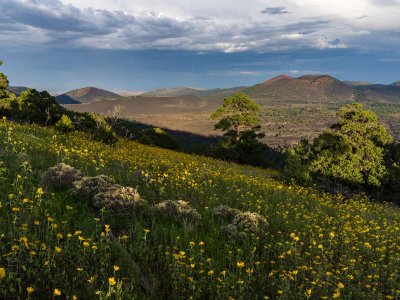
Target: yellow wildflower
[[2, 273], [336, 294], [111, 281]]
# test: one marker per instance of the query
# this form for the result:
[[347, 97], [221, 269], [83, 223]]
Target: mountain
[[379, 93], [219, 94], [304, 88], [357, 83], [17, 90], [213, 94], [87, 95], [397, 83], [172, 92], [130, 93]]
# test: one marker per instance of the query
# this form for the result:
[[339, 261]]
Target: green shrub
[[179, 210], [65, 124], [103, 131], [37, 107], [297, 167]]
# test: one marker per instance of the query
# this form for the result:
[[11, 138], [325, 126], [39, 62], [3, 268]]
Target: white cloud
[[224, 25], [292, 36]]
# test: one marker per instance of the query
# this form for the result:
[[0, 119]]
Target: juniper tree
[[352, 151], [238, 118]]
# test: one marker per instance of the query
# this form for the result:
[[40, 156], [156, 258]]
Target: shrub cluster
[[101, 189], [179, 210], [244, 223], [90, 186], [61, 176], [119, 199], [225, 213]]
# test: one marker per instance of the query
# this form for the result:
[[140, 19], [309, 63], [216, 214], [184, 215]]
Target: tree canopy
[[5, 95], [238, 118], [352, 151], [38, 107]]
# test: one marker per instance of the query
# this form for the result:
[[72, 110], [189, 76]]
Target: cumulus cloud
[[223, 26]]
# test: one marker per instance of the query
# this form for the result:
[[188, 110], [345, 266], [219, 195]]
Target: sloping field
[[295, 244]]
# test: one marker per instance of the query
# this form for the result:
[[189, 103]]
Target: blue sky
[[144, 44]]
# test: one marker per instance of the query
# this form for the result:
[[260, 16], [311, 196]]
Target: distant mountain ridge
[[307, 87], [357, 83], [212, 94], [312, 88], [379, 93], [172, 92], [17, 90], [87, 95]]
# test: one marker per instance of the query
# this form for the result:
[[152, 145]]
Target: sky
[[137, 45]]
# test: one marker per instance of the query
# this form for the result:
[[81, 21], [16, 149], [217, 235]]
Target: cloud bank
[[225, 26]]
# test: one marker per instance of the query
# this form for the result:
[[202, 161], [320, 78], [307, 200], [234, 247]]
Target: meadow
[[55, 244]]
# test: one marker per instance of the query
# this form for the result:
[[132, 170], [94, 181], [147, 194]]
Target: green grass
[[316, 245]]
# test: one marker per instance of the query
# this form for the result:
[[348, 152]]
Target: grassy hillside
[[55, 243]]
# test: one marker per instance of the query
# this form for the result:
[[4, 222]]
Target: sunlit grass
[[55, 245]]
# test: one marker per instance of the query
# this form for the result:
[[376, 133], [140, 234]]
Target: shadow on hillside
[[195, 143], [65, 99], [187, 140]]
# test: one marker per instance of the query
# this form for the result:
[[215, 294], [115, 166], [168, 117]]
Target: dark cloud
[[335, 42], [53, 15], [277, 10]]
